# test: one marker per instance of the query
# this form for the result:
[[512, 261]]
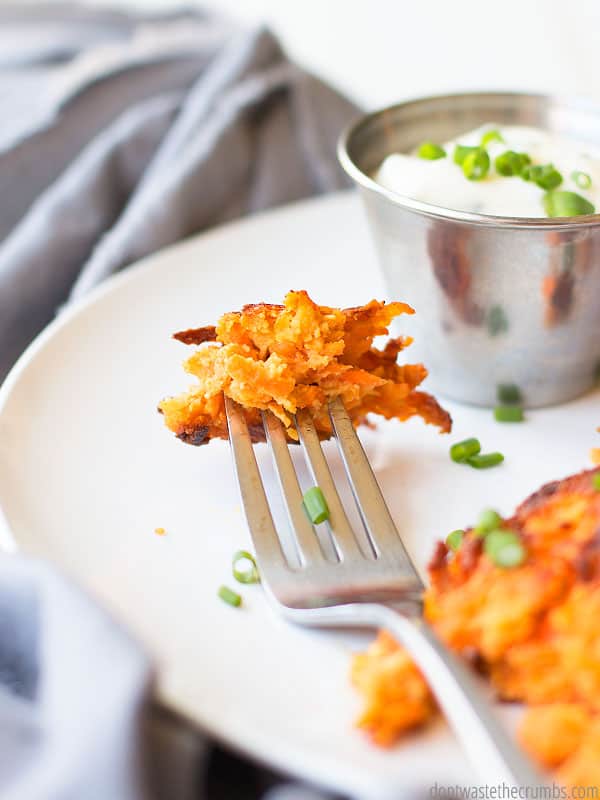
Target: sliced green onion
[[496, 321], [526, 172], [486, 460], [461, 151], [431, 151], [497, 536], [508, 414], [489, 520], [511, 163], [509, 393], [546, 176], [504, 548], [454, 539], [461, 451], [551, 179], [582, 179], [475, 166], [230, 597], [315, 505], [510, 554], [566, 204], [491, 136], [596, 481], [247, 574]]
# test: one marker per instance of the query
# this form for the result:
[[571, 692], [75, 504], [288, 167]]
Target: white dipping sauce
[[443, 183]]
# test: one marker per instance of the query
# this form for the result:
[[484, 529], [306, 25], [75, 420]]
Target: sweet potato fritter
[[533, 629], [298, 355]]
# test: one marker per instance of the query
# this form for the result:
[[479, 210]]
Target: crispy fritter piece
[[397, 697], [582, 767], [553, 733], [293, 356], [565, 737], [532, 629], [197, 335]]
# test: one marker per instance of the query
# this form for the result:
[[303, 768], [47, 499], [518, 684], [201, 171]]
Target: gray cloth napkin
[[122, 134], [125, 135], [77, 720]]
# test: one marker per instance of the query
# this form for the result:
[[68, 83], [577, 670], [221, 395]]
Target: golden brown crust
[[294, 356], [580, 483], [197, 335]]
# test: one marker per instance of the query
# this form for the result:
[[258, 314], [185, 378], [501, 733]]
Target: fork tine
[[338, 521], [369, 499], [254, 500], [305, 535]]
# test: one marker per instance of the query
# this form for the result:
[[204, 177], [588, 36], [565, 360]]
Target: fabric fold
[[149, 130]]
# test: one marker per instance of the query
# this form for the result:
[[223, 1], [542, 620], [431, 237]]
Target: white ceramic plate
[[87, 472]]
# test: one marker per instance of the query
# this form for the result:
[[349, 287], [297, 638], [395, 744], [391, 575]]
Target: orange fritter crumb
[[298, 356], [595, 455], [396, 694], [582, 768], [533, 629], [160, 531], [554, 732]]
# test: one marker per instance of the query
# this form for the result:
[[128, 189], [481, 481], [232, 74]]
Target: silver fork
[[378, 589]]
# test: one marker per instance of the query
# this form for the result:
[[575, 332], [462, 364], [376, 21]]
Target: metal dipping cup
[[504, 305]]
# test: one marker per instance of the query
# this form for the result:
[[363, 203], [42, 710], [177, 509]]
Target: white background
[[380, 51]]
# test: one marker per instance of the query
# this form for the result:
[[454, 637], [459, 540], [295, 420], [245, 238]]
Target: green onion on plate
[[461, 451], [485, 460], [247, 573], [508, 414], [230, 597]]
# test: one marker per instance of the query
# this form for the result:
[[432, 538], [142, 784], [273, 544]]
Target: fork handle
[[487, 744], [495, 756]]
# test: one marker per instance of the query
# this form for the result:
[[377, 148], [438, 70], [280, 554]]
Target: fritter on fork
[[298, 355]]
